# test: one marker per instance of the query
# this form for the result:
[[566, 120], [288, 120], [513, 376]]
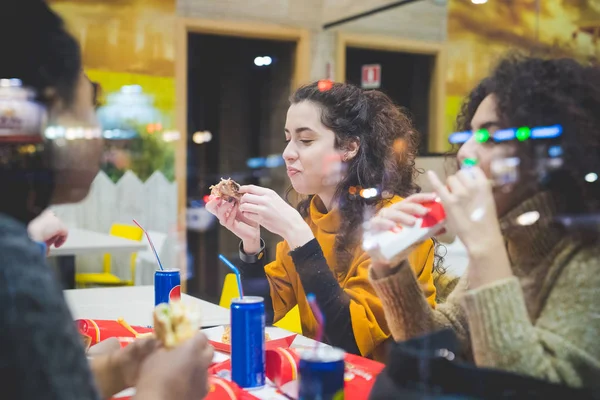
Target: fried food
[[226, 337], [227, 190]]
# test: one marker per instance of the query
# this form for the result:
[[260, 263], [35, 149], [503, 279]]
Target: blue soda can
[[167, 286], [321, 374], [248, 358]]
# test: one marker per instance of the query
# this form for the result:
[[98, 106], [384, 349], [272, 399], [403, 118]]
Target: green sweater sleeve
[[408, 313], [561, 345]]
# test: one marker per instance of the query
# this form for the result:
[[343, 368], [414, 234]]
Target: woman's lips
[[292, 171]]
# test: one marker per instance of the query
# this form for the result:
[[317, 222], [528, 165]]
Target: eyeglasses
[[521, 134]]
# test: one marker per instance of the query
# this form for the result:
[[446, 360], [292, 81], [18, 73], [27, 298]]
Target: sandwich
[[227, 189], [174, 323]]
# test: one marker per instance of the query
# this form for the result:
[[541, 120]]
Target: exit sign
[[371, 76]]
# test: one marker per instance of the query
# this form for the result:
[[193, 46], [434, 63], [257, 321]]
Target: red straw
[[151, 244], [312, 301]]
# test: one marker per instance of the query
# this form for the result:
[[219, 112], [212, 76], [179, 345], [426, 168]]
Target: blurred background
[[196, 90]]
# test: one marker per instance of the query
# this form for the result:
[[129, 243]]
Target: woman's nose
[[467, 150], [290, 153]]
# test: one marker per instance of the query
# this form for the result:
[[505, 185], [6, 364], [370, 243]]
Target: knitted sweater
[[41, 353], [543, 322]]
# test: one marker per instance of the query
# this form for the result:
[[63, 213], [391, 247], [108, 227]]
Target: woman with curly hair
[[528, 302], [337, 140]]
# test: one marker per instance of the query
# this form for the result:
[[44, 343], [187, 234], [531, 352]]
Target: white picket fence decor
[[152, 203]]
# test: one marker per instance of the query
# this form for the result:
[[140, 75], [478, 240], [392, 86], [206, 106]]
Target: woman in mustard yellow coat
[[338, 139]]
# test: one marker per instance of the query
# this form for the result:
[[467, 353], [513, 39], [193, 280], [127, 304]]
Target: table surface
[[81, 241], [133, 303], [136, 303]]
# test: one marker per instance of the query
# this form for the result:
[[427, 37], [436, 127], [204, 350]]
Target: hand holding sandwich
[[224, 204], [178, 373], [115, 368], [244, 209], [179, 369], [266, 208]]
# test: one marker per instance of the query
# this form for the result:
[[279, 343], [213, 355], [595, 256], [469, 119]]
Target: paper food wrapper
[[387, 246], [96, 330], [277, 339], [221, 389], [218, 389], [282, 369]]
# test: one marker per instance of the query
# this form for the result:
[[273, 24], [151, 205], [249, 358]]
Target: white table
[[134, 303], [81, 241]]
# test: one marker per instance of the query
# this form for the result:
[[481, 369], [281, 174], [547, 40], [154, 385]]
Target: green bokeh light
[[469, 162], [523, 133], [482, 135]]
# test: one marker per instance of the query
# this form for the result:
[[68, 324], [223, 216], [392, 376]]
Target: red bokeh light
[[324, 85]]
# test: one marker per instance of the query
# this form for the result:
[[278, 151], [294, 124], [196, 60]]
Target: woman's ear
[[351, 150]]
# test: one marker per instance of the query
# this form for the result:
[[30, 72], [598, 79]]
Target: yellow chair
[[290, 322], [106, 277]]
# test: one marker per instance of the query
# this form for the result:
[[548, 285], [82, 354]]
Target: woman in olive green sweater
[[529, 301]]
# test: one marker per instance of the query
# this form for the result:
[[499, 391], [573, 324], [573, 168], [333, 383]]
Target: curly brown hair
[[372, 119], [533, 91]]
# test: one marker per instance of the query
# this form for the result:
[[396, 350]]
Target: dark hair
[[37, 50], [372, 119], [543, 92]]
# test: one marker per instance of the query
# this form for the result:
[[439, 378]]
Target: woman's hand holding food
[[403, 213], [266, 208], [228, 214], [471, 213]]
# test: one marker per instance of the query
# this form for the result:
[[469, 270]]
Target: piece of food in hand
[[174, 323], [226, 337], [390, 247], [227, 189]]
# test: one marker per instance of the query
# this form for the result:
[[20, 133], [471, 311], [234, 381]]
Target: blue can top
[[247, 300], [167, 271]]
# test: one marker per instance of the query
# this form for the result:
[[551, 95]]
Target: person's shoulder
[[578, 279], [16, 248], [585, 263], [15, 242], [23, 267]]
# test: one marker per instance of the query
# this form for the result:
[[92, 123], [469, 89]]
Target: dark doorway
[[405, 77], [243, 106]]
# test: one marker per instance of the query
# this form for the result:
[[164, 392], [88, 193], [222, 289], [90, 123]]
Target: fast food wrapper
[[223, 389], [93, 331], [387, 246], [282, 368], [220, 338], [218, 389]]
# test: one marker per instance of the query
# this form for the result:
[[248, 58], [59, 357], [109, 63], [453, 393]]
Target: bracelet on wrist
[[252, 258]]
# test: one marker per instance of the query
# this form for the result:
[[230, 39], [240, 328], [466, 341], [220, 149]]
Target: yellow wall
[[479, 34], [126, 42]]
